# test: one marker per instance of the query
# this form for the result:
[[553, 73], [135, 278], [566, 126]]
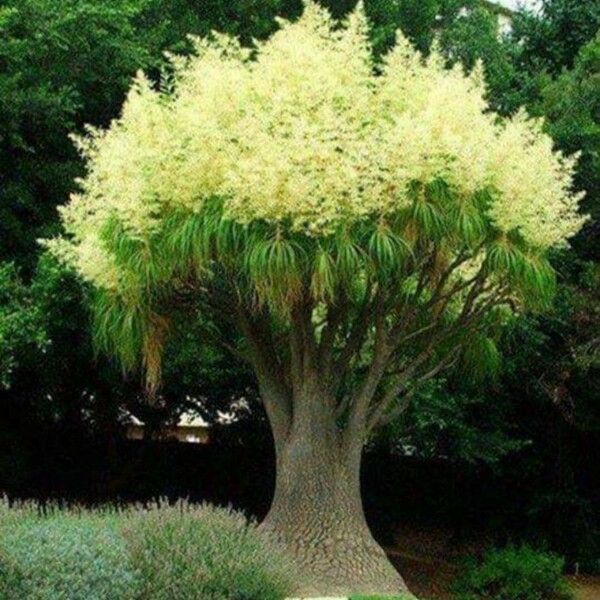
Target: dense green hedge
[[155, 553]]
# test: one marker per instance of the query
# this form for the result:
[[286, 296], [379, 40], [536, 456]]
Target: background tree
[[54, 70], [359, 233], [571, 106], [552, 36], [21, 330]]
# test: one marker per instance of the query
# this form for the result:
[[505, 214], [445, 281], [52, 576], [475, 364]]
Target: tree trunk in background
[[317, 512]]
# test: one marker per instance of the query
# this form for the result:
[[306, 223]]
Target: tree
[[21, 325], [458, 425], [551, 377], [475, 35], [571, 106], [552, 36], [357, 231], [62, 64]]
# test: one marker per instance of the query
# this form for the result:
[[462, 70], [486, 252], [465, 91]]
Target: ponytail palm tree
[[360, 227]]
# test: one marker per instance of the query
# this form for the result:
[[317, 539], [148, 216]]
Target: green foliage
[[552, 37], [169, 22], [162, 552], [416, 18], [204, 552], [272, 266], [559, 349], [21, 326], [460, 425], [63, 64], [474, 35], [571, 106], [481, 358], [515, 574], [64, 557], [11, 578]]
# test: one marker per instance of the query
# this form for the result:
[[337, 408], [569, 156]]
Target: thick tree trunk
[[317, 513]]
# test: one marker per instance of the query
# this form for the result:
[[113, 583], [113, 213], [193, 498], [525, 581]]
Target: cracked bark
[[317, 513]]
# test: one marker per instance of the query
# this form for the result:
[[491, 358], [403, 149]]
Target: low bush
[[11, 578], [514, 574], [188, 552], [159, 553], [65, 556]]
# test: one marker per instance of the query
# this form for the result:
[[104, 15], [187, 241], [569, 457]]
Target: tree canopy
[[296, 164], [571, 106]]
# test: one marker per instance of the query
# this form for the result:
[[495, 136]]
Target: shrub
[[187, 553], [160, 553], [64, 556], [11, 579], [514, 574]]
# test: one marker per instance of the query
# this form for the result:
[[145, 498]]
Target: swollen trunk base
[[318, 519]]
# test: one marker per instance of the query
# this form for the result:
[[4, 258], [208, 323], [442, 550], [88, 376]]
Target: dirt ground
[[586, 588], [428, 561]]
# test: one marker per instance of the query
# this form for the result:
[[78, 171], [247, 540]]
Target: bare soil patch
[[586, 588]]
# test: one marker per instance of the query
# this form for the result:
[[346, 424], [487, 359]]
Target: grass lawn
[[403, 597]]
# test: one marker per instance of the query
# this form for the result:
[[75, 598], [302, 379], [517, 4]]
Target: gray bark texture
[[317, 513]]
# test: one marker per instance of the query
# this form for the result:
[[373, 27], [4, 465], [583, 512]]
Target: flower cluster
[[304, 133]]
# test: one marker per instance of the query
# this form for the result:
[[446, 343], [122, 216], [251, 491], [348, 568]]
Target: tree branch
[[381, 351], [275, 395], [354, 340], [379, 416]]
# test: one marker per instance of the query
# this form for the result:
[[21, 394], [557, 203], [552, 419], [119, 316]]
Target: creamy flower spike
[[303, 133]]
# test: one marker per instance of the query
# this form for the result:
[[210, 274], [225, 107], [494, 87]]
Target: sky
[[516, 3]]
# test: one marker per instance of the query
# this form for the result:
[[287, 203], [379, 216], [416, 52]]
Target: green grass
[[403, 597]]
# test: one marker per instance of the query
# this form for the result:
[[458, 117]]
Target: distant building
[[190, 429]]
